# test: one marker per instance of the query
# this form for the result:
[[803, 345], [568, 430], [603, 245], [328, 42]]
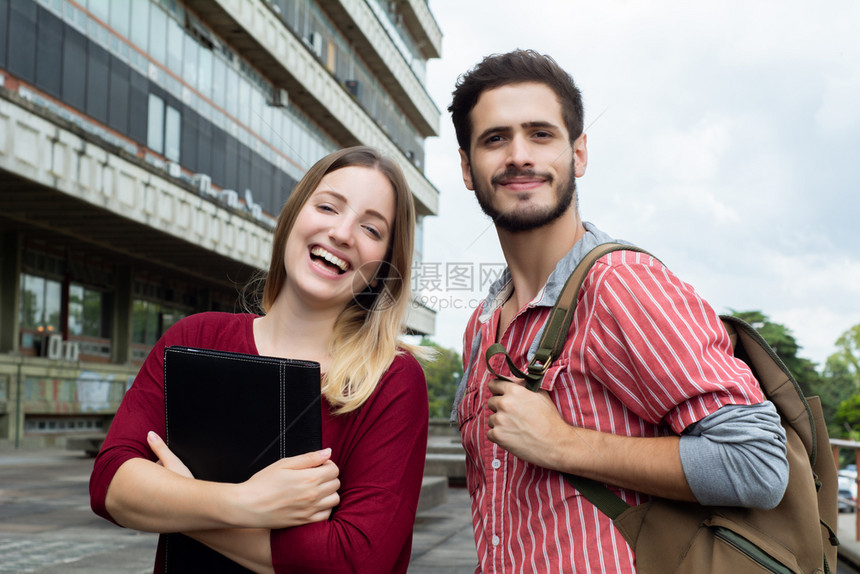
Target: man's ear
[[465, 166], [580, 155]]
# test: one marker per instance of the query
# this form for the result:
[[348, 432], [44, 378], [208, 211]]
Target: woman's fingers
[[166, 458]]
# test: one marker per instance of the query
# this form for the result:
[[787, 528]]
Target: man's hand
[[525, 423]]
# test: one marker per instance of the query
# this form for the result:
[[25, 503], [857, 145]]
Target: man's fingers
[[498, 386]]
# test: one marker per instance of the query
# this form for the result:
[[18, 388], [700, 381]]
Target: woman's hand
[[290, 492], [166, 458]]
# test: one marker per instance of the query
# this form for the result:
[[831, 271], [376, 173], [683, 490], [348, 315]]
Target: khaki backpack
[[687, 538]]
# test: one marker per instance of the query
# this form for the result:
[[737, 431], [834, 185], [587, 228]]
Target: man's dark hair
[[517, 67]]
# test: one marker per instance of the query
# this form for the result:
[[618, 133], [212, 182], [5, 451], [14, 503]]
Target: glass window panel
[[32, 301], [152, 312], [53, 302], [189, 68], [140, 16], [92, 313], [256, 110], [76, 310], [244, 101], [119, 17], [219, 87], [158, 34], [204, 72], [172, 131], [100, 9], [175, 36], [155, 124], [231, 92], [138, 321]]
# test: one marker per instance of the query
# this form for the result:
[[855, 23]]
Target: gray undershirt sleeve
[[736, 457]]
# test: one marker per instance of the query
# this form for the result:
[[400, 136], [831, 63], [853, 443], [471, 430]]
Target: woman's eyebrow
[[342, 198]]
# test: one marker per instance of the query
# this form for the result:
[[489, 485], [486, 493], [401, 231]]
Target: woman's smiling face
[[340, 237]]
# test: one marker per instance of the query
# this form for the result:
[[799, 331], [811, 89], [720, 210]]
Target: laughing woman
[[336, 292]]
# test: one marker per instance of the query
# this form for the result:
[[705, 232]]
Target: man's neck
[[532, 255]]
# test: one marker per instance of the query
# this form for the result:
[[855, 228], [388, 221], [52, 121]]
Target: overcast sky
[[724, 137]]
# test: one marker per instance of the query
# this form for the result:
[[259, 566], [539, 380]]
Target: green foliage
[[842, 371], [443, 373], [848, 417], [783, 342]]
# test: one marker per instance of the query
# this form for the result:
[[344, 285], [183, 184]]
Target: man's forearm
[[651, 465]]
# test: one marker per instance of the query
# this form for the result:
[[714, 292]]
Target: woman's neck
[[293, 331]]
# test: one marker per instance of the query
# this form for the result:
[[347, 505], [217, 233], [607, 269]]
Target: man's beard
[[521, 220]]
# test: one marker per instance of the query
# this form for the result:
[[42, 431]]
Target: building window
[[41, 301], [155, 124], [85, 311], [172, 133], [164, 128], [150, 320]]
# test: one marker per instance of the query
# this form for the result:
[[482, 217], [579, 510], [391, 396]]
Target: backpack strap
[[557, 324], [550, 347]]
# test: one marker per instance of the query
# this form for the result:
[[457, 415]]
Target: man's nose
[[519, 152]]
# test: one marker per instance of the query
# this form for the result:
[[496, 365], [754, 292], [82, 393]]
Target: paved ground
[[47, 527]]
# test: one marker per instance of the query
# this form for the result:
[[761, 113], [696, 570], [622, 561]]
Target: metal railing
[[837, 444]]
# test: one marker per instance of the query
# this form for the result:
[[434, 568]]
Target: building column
[[122, 311], [10, 281]]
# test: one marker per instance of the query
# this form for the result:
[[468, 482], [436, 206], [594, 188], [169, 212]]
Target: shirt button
[[496, 540], [496, 463]]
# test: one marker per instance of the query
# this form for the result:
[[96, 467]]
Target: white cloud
[[726, 144]]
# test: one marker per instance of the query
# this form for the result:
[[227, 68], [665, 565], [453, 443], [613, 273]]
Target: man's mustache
[[512, 172]]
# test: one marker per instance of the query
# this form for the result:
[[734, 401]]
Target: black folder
[[228, 416]]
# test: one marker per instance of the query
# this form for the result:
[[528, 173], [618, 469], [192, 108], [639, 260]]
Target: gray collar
[[502, 288]]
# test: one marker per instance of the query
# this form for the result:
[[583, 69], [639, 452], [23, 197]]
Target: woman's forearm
[[146, 496]]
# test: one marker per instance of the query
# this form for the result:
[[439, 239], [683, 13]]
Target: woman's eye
[[326, 207], [373, 231]]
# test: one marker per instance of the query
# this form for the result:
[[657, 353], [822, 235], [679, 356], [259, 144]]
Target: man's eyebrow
[[540, 124], [342, 198], [493, 130], [528, 125]]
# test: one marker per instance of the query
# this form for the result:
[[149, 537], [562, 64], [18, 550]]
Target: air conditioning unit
[[230, 198], [202, 183], [280, 98]]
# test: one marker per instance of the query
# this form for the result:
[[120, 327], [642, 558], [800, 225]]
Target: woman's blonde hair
[[366, 333]]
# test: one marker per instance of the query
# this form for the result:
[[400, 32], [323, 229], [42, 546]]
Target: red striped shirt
[[646, 356]]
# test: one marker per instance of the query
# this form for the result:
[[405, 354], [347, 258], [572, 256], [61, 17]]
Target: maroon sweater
[[379, 450]]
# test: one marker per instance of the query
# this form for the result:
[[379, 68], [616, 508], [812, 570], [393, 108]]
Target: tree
[[443, 373], [780, 338], [837, 389], [848, 352], [842, 373]]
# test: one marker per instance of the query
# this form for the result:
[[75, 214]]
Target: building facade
[[146, 148]]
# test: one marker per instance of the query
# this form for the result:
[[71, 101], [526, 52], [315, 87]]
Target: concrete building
[[146, 147]]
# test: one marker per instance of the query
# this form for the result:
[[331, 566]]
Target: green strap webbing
[[550, 347]]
